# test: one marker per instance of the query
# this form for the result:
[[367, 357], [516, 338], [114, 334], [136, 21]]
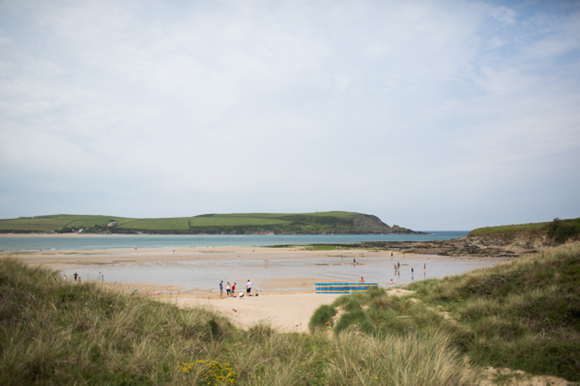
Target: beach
[[283, 278]]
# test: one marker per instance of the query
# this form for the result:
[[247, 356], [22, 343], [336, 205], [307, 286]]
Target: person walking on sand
[[228, 288], [248, 287], [221, 288], [234, 289]]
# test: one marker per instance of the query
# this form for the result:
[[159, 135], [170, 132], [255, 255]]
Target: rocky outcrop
[[373, 224], [456, 247], [527, 239], [368, 221]]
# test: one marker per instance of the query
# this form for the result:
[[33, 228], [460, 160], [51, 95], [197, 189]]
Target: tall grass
[[55, 332], [524, 315]]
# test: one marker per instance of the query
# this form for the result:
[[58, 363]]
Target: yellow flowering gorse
[[211, 371]]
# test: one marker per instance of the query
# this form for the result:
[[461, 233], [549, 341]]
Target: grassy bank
[[243, 223], [55, 332], [558, 230], [523, 315]]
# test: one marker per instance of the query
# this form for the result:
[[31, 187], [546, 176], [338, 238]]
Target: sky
[[432, 115]]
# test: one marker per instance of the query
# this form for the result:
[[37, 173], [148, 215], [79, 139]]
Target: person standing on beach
[[248, 287], [228, 289], [221, 288], [75, 276], [234, 289]]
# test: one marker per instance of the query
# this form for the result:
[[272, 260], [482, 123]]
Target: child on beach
[[228, 289], [234, 289]]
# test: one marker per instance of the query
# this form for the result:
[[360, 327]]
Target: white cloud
[[288, 106], [504, 15]]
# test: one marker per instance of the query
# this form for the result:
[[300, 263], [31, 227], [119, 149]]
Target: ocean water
[[122, 242]]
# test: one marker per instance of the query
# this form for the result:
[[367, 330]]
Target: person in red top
[[234, 289]]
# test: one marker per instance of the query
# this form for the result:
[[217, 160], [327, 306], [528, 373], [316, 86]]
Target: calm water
[[205, 275], [120, 242]]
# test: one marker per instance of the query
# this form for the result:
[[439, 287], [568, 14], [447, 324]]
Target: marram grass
[[524, 315], [54, 333]]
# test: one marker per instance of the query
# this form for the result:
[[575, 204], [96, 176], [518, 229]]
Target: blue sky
[[432, 115]]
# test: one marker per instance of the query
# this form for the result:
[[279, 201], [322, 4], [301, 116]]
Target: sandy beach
[[283, 278], [289, 311]]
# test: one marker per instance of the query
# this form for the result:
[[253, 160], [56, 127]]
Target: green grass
[[158, 224], [232, 220], [240, 223], [523, 315], [32, 224], [540, 226], [54, 332]]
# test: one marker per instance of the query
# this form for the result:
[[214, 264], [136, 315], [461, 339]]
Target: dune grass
[[56, 332], [524, 315]]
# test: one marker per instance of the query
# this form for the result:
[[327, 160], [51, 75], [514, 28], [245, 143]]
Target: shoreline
[[273, 268], [284, 278]]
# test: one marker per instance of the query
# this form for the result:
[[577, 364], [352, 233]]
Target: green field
[[236, 223], [508, 228], [558, 230]]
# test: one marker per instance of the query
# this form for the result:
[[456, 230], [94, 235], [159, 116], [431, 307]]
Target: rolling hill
[[243, 223]]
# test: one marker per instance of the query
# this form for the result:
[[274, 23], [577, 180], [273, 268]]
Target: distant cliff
[[533, 235], [336, 222]]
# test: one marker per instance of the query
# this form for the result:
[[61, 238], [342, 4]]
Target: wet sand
[[199, 270], [284, 278]]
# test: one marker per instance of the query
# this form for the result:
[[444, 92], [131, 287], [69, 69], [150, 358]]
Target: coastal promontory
[[336, 222]]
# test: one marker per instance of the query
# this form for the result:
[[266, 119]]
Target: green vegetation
[[558, 230], [279, 223], [523, 315], [54, 332]]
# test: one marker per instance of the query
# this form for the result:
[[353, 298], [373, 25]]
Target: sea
[[123, 242], [203, 275]]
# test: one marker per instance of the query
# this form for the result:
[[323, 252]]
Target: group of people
[[77, 278], [231, 289]]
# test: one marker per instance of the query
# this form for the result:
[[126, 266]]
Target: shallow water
[[205, 275], [121, 242]]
